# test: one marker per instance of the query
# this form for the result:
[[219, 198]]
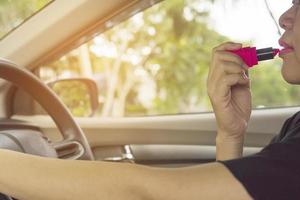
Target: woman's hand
[[229, 91]]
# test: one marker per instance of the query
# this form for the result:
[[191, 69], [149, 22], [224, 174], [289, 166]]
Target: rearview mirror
[[80, 95]]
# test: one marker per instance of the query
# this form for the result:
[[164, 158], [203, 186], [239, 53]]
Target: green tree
[[163, 38], [75, 96]]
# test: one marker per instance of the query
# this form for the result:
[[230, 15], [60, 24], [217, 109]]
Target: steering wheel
[[70, 130]]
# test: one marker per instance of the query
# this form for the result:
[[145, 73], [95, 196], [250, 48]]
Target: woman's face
[[290, 41]]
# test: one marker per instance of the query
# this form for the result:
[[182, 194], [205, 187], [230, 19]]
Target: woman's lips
[[285, 50]]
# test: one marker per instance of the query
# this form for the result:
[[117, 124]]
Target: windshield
[[15, 12]]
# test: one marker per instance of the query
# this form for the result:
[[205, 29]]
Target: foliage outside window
[[75, 95], [157, 63]]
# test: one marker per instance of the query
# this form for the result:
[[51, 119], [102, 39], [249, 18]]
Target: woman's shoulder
[[296, 118], [289, 129]]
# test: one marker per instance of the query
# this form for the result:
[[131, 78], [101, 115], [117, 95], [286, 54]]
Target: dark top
[[274, 172]]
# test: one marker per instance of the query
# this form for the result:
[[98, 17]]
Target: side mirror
[[80, 95]]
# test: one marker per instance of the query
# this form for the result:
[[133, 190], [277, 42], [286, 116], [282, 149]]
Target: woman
[[274, 173]]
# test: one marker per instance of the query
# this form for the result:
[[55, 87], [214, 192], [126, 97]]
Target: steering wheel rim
[[62, 117]]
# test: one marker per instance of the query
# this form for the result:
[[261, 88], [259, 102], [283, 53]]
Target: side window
[[156, 62]]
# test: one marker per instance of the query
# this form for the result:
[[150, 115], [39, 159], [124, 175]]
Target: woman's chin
[[291, 74], [291, 68]]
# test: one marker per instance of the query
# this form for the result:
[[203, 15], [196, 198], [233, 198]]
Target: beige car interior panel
[[179, 138], [179, 152], [148, 154]]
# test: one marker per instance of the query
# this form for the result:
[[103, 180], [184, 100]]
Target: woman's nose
[[286, 20]]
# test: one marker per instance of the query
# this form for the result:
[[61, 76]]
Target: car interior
[[35, 114]]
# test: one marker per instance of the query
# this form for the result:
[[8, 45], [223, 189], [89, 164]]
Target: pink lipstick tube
[[251, 55]]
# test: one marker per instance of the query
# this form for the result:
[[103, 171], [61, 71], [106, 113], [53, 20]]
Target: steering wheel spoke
[[69, 149]]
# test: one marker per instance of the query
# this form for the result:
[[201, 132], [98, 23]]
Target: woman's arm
[[228, 149], [30, 177]]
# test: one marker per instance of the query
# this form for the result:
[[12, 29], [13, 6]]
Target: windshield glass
[[15, 12]]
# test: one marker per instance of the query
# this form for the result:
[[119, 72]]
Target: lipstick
[[251, 55]]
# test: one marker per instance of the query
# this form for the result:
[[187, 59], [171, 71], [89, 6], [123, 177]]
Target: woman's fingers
[[226, 70], [224, 61], [221, 87], [233, 79], [228, 46], [230, 68], [222, 68], [229, 57]]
